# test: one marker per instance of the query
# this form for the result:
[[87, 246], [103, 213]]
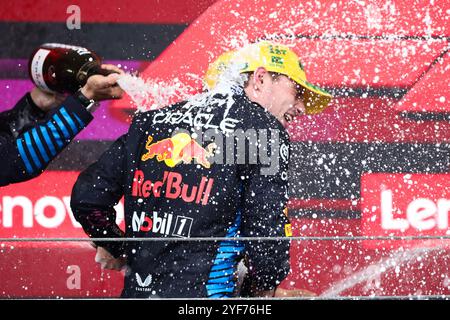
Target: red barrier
[[54, 270], [344, 267], [347, 268]]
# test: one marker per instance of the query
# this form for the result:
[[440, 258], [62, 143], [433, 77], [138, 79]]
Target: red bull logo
[[172, 187], [179, 148]]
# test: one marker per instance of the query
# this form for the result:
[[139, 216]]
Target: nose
[[299, 107]]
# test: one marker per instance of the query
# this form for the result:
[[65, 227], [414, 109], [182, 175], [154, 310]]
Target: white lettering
[[74, 20], [137, 221], [199, 120], [58, 208], [8, 207], [31, 212], [418, 213], [74, 280], [387, 218], [443, 211], [421, 214], [158, 223]]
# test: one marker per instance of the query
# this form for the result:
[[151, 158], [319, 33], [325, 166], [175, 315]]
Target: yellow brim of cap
[[315, 99]]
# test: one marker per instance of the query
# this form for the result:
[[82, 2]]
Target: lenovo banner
[[405, 205], [41, 208]]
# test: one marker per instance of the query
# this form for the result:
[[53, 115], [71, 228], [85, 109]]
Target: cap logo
[[277, 60], [277, 50]]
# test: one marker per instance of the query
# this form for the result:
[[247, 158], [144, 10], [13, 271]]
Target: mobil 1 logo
[[182, 227], [166, 224]]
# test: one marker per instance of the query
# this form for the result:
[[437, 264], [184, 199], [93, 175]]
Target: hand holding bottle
[[56, 67], [97, 87], [100, 87], [59, 69]]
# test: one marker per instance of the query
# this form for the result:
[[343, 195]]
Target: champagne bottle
[[62, 68]]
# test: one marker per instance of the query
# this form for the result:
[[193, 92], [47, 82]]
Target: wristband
[[87, 103]]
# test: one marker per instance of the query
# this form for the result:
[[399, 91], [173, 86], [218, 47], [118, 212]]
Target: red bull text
[[172, 187]]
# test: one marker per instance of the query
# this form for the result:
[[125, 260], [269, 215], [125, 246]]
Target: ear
[[259, 77]]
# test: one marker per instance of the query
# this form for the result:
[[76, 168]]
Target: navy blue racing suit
[[31, 138], [179, 180]]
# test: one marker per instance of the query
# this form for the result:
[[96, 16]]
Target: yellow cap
[[216, 68], [276, 58]]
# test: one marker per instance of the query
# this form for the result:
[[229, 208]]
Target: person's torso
[[182, 181]]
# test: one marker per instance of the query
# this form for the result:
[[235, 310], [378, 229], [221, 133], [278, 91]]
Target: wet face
[[280, 95], [286, 100]]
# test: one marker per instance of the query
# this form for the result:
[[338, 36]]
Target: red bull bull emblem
[[179, 148]]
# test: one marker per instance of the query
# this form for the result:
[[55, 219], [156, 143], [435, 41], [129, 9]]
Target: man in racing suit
[[180, 180]]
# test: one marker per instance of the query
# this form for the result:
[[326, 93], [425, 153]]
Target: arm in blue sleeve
[[31, 139]]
